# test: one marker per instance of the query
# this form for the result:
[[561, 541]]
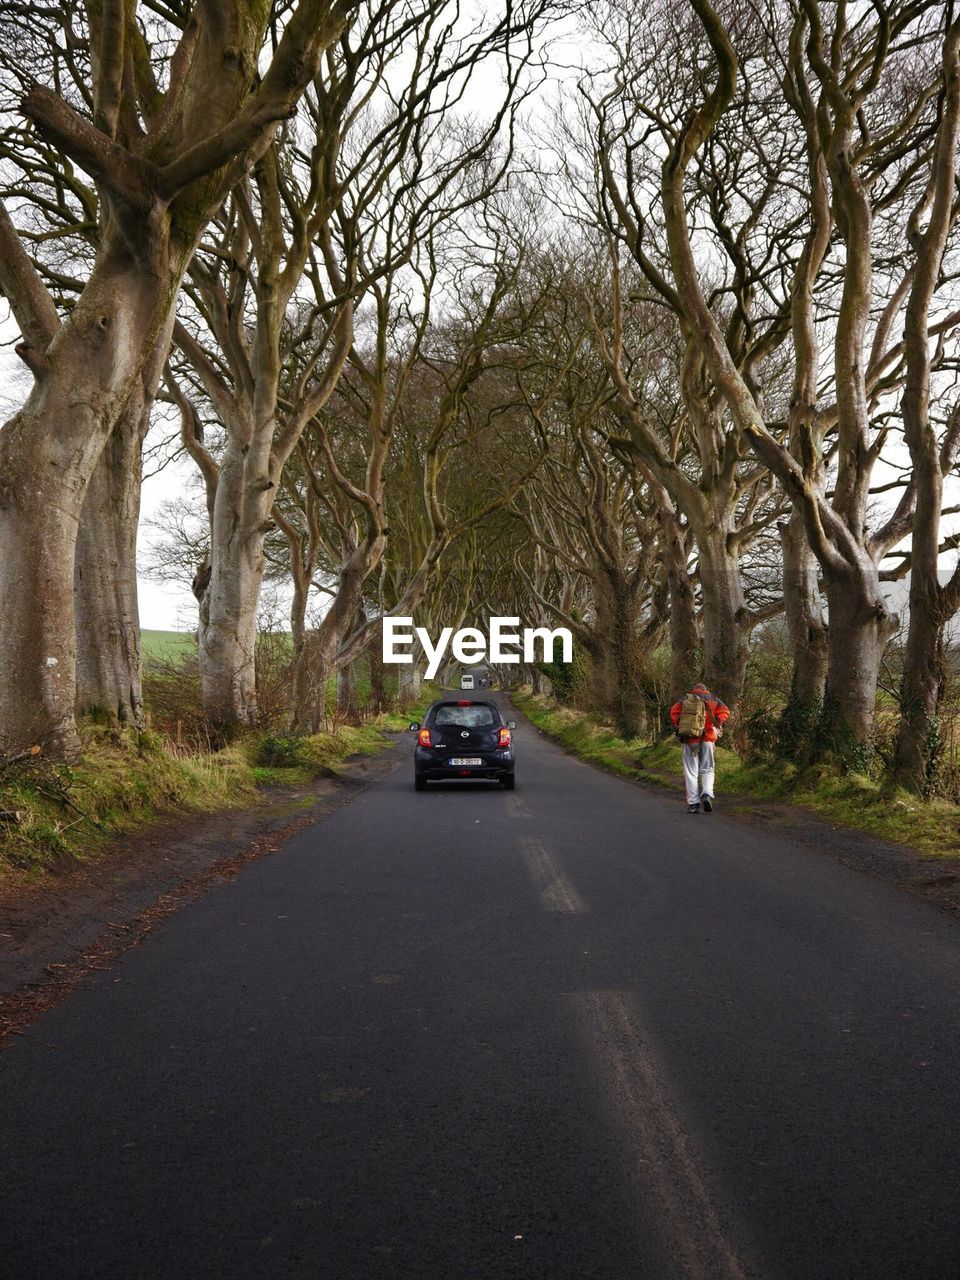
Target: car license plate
[[465, 760]]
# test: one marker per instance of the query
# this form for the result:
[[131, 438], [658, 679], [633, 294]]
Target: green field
[[166, 644]]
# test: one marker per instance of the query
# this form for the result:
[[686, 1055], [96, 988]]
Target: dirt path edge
[[56, 931], [933, 878]]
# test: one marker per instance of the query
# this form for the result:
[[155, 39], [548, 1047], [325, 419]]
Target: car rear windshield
[[475, 716]]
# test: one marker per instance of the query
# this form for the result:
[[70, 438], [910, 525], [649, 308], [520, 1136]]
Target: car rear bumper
[[481, 772], [427, 766]]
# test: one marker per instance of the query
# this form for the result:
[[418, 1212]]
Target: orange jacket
[[717, 714]]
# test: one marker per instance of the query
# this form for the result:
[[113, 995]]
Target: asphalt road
[[562, 1033]]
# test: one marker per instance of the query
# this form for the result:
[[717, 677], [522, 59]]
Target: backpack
[[693, 716]]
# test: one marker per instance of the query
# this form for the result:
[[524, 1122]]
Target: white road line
[[556, 891], [517, 808], [662, 1163]]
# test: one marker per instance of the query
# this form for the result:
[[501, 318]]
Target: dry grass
[[123, 780], [120, 778]]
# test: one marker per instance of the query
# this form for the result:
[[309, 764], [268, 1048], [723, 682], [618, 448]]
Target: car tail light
[[424, 738], [505, 737]]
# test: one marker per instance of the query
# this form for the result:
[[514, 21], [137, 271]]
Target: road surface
[[563, 1033]]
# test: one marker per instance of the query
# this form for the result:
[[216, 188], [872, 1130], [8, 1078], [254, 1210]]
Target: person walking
[[698, 718]]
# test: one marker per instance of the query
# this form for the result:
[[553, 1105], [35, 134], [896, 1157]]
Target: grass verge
[[931, 827], [166, 645], [50, 813], [279, 758]]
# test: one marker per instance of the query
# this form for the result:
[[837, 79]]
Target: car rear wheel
[[509, 781], [419, 784]]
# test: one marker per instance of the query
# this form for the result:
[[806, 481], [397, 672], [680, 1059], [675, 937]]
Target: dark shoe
[[693, 808], [707, 804]]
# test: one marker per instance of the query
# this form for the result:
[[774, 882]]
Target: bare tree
[[438, 376], [343, 214], [685, 442], [931, 604], [591, 523], [162, 161], [840, 77]]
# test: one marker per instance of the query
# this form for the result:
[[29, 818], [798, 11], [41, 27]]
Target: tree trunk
[[154, 204], [48, 452], [378, 696], [918, 738], [107, 619], [310, 674], [316, 664], [38, 647], [319, 660], [807, 636], [105, 580], [408, 684], [724, 610], [686, 655], [230, 598], [629, 701], [298, 625], [860, 628], [540, 683], [628, 709], [602, 691], [348, 696], [348, 707]]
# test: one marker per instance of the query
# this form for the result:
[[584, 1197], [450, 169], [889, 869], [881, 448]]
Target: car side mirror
[[414, 726], [512, 724]]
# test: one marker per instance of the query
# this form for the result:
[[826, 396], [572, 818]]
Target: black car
[[463, 739]]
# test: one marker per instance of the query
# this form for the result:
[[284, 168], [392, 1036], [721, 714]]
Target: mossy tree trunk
[[807, 636]]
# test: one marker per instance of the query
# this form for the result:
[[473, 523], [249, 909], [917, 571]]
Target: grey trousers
[[698, 770]]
